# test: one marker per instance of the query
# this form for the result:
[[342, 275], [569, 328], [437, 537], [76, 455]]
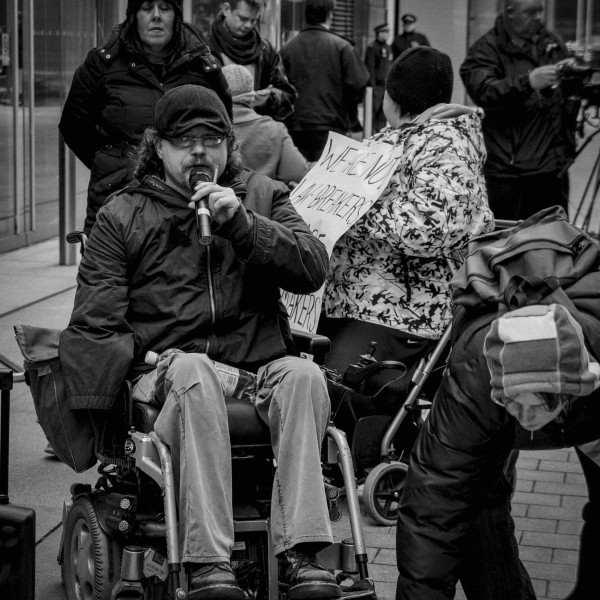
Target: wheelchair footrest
[[363, 588]]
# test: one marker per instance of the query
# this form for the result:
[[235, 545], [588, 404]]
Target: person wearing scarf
[[234, 39], [113, 94]]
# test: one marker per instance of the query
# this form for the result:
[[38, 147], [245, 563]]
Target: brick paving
[[547, 504]]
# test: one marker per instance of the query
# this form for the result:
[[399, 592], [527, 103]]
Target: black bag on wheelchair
[[71, 433]]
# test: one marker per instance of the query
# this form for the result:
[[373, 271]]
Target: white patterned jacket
[[390, 267]]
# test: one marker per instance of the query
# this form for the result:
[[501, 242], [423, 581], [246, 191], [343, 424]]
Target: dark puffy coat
[[112, 100], [456, 466], [526, 131], [143, 284], [270, 74], [330, 79]]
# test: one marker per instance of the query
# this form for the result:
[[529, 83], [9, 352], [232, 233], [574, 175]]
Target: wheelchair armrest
[[311, 343], [77, 237]]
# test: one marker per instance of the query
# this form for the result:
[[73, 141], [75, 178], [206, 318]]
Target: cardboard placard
[[343, 185]]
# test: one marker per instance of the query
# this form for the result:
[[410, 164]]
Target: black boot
[[307, 578], [214, 581]]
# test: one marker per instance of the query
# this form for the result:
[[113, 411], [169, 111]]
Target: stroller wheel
[[92, 560], [382, 491]]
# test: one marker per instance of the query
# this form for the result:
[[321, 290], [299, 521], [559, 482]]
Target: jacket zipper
[[211, 295]]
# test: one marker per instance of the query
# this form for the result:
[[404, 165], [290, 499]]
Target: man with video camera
[[513, 72]]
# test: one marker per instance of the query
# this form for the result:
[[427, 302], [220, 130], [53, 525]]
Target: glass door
[[14, 119]]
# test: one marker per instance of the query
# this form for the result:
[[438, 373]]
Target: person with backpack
[[523, 372]]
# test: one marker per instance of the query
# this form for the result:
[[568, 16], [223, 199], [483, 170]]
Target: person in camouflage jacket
[[390, 269]]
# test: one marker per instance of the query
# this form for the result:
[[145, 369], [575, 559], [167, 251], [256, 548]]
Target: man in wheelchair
[[145, 283]]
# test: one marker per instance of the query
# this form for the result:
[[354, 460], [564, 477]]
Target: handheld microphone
[[203, 220]]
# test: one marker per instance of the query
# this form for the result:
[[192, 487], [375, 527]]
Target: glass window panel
[[8, 110]]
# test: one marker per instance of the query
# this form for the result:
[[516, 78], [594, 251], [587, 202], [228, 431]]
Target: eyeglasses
[[205, 140]]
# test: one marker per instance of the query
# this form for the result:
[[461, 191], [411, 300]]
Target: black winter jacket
[[457, 463], [145, 283], [378, 60], [270, 74], [112, 100], [330, 79], [526, 132]]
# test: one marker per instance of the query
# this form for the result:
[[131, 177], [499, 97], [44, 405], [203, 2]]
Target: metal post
[[66, 203], [580, 23], [589, 18], [29, 110], [368, 118]]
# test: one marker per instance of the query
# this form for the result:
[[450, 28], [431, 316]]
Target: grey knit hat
[[419, 78], [239, 79], [539, 348]]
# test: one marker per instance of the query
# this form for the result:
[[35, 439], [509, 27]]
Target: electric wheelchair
[[383, 430], [120, 537], [381, 406], [382, 422]]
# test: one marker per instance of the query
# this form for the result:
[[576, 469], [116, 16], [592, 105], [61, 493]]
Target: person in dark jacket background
[[113, 93], [330, 79], [234, 39], [526, 379], [512, 73], [145, 283], [409, 38], [378, 60]]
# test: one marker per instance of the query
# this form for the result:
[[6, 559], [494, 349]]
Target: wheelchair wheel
[[382, 490], [92, 560]]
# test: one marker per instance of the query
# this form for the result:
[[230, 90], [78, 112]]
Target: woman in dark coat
[[113, 94]]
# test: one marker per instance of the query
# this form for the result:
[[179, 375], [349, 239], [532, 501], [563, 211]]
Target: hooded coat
[[144, 283], [391, 267], [112, 100]]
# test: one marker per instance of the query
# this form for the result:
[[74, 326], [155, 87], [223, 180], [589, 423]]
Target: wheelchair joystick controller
[[357, 372]]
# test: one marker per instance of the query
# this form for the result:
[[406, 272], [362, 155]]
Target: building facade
[[43, 187]]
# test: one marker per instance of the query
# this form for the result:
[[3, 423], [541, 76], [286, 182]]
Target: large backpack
[[542, 260], [522, 265]]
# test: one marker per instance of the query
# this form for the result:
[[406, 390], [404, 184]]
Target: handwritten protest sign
[[346, 181]]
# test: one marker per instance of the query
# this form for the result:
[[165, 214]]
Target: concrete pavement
[[36, 291]]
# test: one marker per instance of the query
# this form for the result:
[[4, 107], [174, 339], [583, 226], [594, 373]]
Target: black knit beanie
[[419, 78], [134, 5]]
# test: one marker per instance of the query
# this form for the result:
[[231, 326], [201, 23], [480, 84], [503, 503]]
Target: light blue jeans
[[292, 399]]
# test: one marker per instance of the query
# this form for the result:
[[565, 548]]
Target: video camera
[[580, 81]]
